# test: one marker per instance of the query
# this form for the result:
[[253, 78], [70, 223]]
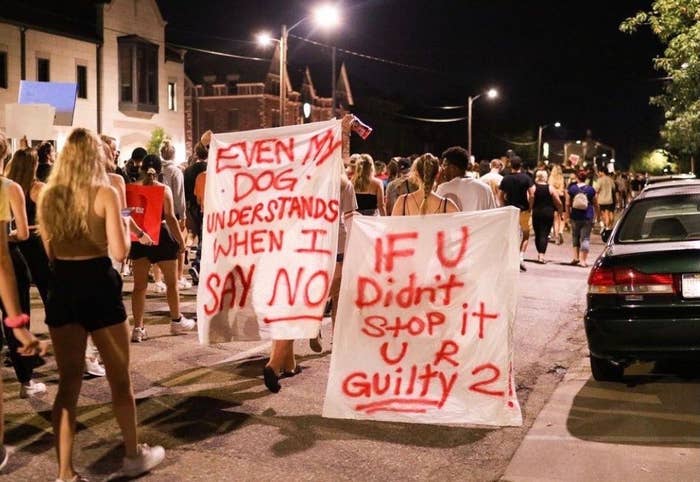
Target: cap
[[404, 164], [139, 153]]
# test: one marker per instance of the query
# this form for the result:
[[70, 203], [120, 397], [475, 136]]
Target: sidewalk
[[593, 431]]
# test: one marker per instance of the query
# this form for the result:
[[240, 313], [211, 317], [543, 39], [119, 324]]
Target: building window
[[81, 80], [43, 70], [172, 96], [3, 70], [138, 75]]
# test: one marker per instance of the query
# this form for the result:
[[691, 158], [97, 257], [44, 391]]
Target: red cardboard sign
[[146, 203]]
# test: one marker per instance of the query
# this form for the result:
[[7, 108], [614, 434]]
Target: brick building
[[227, 95]]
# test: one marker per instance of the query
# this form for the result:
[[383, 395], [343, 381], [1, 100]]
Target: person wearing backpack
[[582, 204]]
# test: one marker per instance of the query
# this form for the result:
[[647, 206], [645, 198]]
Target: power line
[[367, 56], [431, 119], [220, 54]]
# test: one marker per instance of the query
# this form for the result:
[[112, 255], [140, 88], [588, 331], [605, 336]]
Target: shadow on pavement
[[657, 408], [201, 416]]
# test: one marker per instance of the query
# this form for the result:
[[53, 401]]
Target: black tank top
[[31, 209], [543, 199]]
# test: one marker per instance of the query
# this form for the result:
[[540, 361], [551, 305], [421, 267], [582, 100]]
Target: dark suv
[[644, 290]]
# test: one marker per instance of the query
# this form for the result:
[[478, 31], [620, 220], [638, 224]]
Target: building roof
[[75, 18]]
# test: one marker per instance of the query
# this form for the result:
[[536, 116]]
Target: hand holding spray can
[[360, 128]]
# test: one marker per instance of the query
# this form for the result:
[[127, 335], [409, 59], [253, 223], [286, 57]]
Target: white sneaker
[[93, 367], [182, 326], [183, 284], [159, 287], [146, 458], [4, 456], [31, 389], [138, 335]]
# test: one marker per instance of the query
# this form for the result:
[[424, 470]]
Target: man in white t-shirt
[[469, 194], [493, 178]]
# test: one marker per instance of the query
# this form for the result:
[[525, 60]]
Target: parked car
[[644, 290]]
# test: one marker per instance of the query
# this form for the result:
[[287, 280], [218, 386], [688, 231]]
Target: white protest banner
[[270, 232], [424, 329]]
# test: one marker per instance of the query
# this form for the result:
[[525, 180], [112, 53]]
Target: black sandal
[[271, 379]]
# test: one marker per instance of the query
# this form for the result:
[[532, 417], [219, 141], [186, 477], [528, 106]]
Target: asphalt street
[[208, 407]]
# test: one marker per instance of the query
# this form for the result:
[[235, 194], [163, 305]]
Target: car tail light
[[628, 281]]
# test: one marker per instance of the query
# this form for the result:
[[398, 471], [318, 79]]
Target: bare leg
[[335, 291], [69, 348], [113, 345], [169, 269], [138, 297], [282, 356], [157, 275]]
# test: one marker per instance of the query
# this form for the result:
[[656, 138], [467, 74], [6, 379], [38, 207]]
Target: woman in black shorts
[[80, 224], [164, 254], [14, 320]]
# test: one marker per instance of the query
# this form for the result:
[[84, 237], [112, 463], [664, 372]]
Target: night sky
[[551, 60]]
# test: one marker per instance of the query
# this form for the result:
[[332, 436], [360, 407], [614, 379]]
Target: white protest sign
[[424, 329], [270, 232], [32, 120]]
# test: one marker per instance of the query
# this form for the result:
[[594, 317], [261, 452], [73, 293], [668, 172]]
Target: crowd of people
[[65, 227]]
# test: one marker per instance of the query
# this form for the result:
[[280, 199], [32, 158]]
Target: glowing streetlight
[[491, 94], [265, 39], [326, 16], [539, 138]]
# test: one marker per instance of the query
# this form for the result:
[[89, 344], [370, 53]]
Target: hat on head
[[404, 164], [139, 153]]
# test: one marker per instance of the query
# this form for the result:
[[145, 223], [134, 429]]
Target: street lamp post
[[491, 94], [325, 16], [539, 139]]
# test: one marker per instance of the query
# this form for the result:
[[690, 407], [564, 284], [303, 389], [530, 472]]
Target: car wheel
[[606, 371]]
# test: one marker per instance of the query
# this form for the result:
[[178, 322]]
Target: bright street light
[[265, 39], [539, 138], [491, 94], [326, 16]]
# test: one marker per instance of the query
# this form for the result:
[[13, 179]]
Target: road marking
[[171, 384]]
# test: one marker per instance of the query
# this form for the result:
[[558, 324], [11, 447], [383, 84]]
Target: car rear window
[[659, 219]]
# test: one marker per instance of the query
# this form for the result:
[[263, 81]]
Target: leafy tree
[[654, 162], [677, 25], [158, 135]]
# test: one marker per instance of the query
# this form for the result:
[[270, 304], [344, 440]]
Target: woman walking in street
[[81, 225], [23, 366], [544, 203], [424, 201], [368, 189], [164, 254], [582, 203], [556, 180], [13, 318]]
